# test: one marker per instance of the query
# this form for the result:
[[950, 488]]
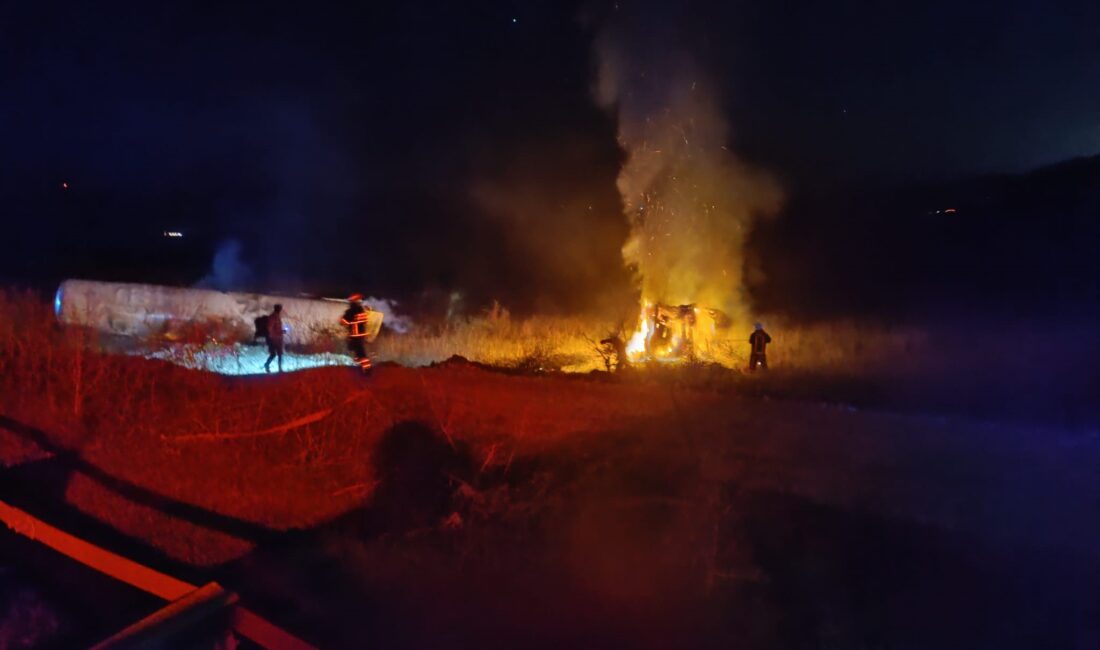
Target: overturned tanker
[[177, 314]]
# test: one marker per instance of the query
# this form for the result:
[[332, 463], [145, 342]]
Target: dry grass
[[288, 443], [123, 414], [618, 483], [62, 363], [569, 344], [65, 379], [279, 451], [496, 339]]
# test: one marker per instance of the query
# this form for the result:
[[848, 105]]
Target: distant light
[[173, 233], [950, 211], [515, 20], [57, 302], [64, 185]]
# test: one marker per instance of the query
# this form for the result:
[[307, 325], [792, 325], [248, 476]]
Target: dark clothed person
[[758, 356], [275, 338]]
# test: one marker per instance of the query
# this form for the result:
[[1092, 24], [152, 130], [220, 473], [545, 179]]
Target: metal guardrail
[[189, 603], [173, 620]]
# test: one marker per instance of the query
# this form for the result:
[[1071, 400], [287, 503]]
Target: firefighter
[[355, 319], [613, 345], [759, 341], [274, 338]]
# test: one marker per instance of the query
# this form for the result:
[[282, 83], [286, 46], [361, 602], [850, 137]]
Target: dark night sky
[[356, 147]]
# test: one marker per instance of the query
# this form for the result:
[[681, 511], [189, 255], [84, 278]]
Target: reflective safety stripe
[[358, 327]]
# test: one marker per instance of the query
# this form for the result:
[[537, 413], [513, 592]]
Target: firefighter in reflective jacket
[[355, 319], [759, 341]]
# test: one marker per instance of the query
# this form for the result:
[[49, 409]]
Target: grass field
[[696, 506], [571, 344]]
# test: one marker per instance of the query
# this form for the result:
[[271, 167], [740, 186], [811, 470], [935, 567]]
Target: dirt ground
[[460, 506]]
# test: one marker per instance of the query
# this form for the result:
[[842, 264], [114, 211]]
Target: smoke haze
[[228, 272], [557, 210], [689, 201]]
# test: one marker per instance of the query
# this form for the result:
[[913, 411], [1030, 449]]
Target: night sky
[[398, 148]]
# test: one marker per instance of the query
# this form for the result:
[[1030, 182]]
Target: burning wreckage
[[157, 315], [674, 333]]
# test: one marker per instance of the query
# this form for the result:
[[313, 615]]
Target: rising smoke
[[228, 271], [689, 201]]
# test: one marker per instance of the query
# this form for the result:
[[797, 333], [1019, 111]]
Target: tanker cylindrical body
[[173, 313]]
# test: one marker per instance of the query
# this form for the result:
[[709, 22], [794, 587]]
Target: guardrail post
[[177, 617]]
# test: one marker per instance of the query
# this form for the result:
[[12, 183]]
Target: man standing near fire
[[759, 341], [355, 319]]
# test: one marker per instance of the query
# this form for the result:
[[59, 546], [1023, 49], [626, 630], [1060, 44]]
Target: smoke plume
[[390, 318], [228, 272], [688, 199]]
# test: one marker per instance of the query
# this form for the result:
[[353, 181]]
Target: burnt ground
[[511, 511]]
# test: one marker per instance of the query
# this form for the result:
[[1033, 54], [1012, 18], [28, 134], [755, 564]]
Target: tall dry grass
[[130, 417], [571, 344], [71, 382], [62, 380], [495, 338], [40, 359]]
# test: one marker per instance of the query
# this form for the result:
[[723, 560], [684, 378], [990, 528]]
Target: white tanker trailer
[[150, 311]]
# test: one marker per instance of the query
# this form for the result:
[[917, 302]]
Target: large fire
[[676, 333], [689, 201]]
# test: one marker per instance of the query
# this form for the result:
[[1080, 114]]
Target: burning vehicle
[[674, 332]]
